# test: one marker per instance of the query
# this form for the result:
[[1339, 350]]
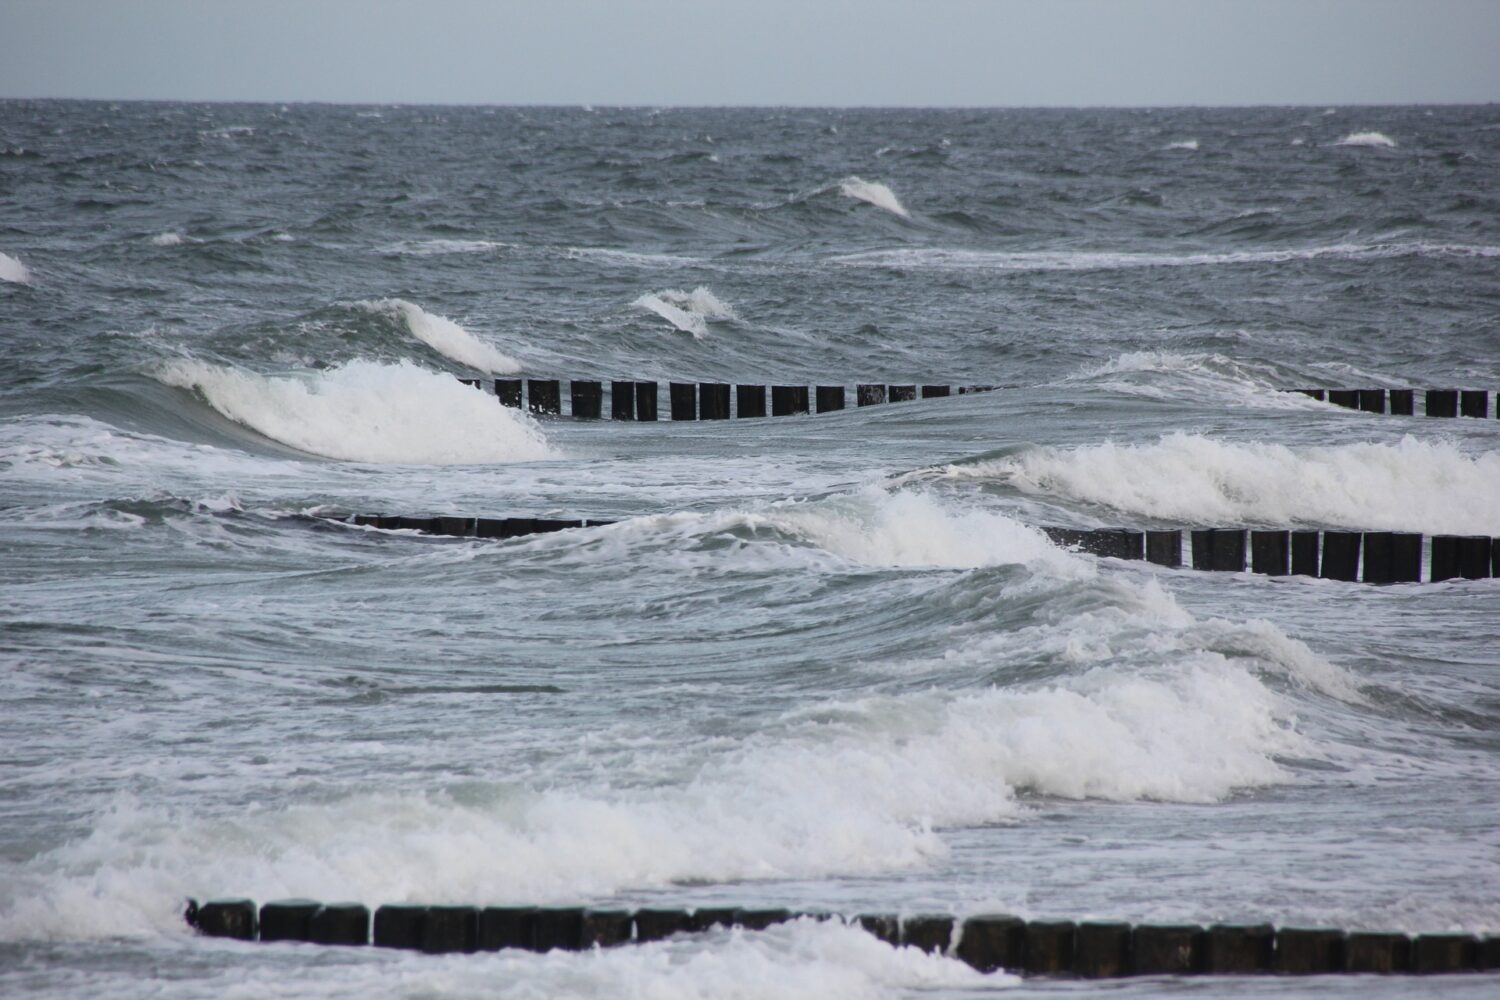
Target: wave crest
[[13, 271], [446, 337], [690, 312], [1412, 485], [874, 193], [364, 411], [1377, 139]]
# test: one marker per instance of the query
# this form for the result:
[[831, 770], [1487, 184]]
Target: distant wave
[[228, 132], [169, 239], [432, 248], [937, 258], [13, 270], [1367, 139], [874, 193], [690, 312], [1412, 485], [364, 411], [627, 258], [1188, 144], [446, 337]]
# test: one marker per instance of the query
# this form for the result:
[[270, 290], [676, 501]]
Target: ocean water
[[824, 662]]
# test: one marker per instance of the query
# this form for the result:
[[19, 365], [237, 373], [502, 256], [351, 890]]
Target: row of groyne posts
[[632, 400], [1402, 402], [1370, 556], [700, 400], [986, 942]]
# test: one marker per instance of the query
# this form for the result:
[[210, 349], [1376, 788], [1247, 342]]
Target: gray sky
[[810, 52]]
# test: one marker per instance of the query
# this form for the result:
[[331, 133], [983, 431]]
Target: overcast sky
[[811, 52]]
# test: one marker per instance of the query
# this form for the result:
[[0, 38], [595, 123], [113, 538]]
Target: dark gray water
[[820, 661]]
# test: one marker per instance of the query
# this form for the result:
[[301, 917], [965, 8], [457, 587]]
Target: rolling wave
[[446, 337], [364, 411], [1412, 485]]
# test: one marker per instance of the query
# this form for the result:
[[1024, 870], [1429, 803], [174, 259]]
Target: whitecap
[[168, 239], [13, 271], [1376, 139], [690, 312], [446, 337], [1190, 145], [874, 193]]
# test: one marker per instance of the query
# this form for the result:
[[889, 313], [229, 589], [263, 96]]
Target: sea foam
[[874, 193], [1412, 485], [363, 411], [447, 337], [1379, 139], [1189, 145], [13, 271], [690, 312]]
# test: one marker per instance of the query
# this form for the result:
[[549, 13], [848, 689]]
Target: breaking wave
[[365, 411], [13, 271], [874, 193], [447, 337], [1378, 139], [690, 312], [1412, 485]]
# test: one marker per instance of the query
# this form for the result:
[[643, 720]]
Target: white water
[[1190, 145], [848, 787], [874, 528], [447, 337], [13, 270], [690, 312], [1413, 485], [874, 193], [1377, 139], [363, 411], [801, 960]]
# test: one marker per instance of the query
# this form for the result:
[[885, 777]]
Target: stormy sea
[[826, 661]]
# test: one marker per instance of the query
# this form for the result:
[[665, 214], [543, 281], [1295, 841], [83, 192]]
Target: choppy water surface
[[822, 661]]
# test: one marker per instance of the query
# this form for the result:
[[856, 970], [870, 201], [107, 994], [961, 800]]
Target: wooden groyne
[[1088, 949]]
